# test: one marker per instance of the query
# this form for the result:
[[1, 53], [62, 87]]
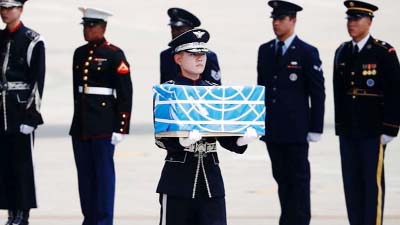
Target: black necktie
[[355, 50], [279, 51]]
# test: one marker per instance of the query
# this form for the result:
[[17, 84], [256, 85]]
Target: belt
[[96, 90], [202, 147], [364, 92]]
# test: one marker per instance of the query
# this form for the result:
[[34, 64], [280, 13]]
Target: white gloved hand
[[249, 136], [26, 129], [313, 137], [386, 139], [117, 138], [194, 136]]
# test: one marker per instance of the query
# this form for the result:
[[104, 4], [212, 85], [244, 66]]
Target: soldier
[[191, 187], [182, 21], [366, 84], [102, 109], [22, 63], [295, 95]]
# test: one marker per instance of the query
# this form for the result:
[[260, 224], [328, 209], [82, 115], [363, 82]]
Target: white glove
[[194, 136], [26, 129], [313, 137], [249, 136], [116, 138], [386, 139]]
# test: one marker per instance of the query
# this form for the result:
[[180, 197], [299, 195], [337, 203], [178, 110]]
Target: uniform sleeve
[[229, 143], [339, 92], [123, 87], [37, 72], [260, 77], [212, 71], [391, 71], [316, 90]]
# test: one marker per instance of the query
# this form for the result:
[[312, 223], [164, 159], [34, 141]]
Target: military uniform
[[169, 70], [102, 91], [191, 187], [366, 91], [22, 63], [294, 100]]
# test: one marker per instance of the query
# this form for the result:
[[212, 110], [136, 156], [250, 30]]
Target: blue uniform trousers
[[96, 179], [187, 211], [291, 170], [363, 179]]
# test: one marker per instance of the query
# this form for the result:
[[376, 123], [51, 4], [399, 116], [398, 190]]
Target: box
[[212, 110]]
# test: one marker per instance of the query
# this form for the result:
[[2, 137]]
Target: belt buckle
[[201, 147]]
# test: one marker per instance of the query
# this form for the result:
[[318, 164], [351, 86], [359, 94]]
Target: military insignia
[[32, 35], [123, 68], [369, 46], [293, 77], [391, 50], [199, 33], [216, 75], [293, 47], [374, 72], [370, 82], [317, 68], [293, 63], [364, 73], [271, 46], [100, 59]]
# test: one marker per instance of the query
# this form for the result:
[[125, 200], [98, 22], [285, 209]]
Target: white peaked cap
[[95, 13]]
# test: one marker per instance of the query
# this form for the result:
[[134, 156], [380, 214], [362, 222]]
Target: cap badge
[[199, 34], [276, 4], [351, 4]]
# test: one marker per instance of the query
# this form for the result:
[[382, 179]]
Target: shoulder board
[[211, 83], [382, 44], [111, 46], [32, 35]]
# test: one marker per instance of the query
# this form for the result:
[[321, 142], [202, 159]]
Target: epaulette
[[111, 46], [211, 83], [32, 35], [382, 44]]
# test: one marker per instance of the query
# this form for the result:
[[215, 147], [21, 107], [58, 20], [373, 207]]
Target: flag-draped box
[[212, 110]]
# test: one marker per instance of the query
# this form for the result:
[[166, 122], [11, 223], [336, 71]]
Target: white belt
[[17, 85], [96, 90]]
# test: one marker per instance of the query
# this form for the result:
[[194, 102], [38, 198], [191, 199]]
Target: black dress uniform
[[294, 100], [366, 90], [191, 186], [169, 70], [22, 66], [102, 91]]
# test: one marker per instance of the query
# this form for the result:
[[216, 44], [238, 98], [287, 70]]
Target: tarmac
[[237, 29]]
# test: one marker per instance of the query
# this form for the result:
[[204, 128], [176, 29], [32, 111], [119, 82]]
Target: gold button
[[90, 58], [85, 78], [86, 63], [123, 115], [77, 67], [122, 130], [103, 104], [91, 52], [352, 83], [354, 97], [122, 123], [86, 71], [99, 68], [352, 73]]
